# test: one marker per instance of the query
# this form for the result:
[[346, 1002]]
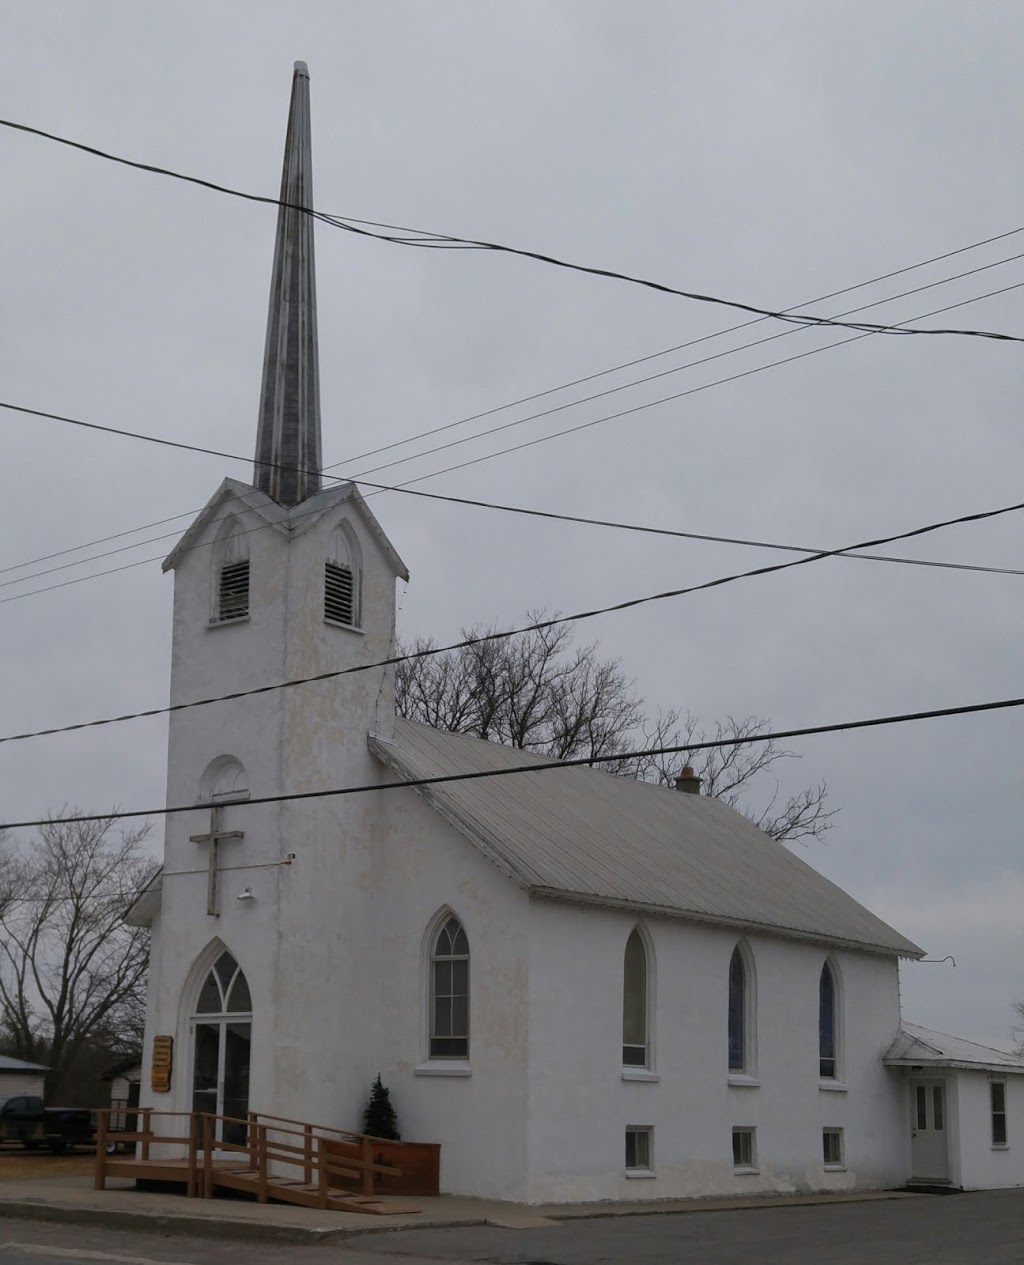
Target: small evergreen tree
[[379, 1118]]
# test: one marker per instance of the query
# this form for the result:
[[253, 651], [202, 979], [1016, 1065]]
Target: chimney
[[688, 782]]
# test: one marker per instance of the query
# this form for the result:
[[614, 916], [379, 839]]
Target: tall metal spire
[[288, 458]]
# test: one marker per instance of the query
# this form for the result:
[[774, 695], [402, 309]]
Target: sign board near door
[[160, 1073]]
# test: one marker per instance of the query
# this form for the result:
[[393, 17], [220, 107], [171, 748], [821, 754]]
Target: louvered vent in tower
[[233, 594], [339, 594]]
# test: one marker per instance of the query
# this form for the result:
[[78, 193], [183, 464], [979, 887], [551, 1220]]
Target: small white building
[[966, 1106], [19, 1078], [582, 986]]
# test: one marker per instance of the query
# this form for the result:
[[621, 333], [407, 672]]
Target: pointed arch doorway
[[221, 1038]]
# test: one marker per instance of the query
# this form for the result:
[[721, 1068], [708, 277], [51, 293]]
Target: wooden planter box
[[419, 1162]]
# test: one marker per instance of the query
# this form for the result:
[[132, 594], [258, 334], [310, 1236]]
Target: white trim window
[[997, 1096], [832, 1148], [744, 1150], [828, 1024], [639, 1148], [449, 992], [635, 1043]]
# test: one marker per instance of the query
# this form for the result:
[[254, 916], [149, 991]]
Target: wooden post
[[147, 1129], [191, 1182], [101, 1150], [207, 1156], [251, 1130], [321, 1171], [262, 1194], [367, 1171], [307, 1168]]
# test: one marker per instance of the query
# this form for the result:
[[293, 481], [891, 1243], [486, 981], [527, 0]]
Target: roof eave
[[718, 920], [959, 1065], [252, 498]]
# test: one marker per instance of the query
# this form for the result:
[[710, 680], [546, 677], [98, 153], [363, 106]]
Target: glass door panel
[[205, 1067], [237, 1042]]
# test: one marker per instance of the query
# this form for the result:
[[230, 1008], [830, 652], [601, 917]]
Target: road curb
[[244, 1229]]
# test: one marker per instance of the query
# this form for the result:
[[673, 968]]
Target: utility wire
[[504, 634], [664, 373], [693, 342], [565, 386], [550, 515], [430, 240], [407, 486], [550, 765]]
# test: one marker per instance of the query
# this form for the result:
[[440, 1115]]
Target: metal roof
[[17, 1065], [923, 1047], [581, 835]]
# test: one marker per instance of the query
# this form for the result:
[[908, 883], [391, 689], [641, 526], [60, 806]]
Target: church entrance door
[[221, 1043]]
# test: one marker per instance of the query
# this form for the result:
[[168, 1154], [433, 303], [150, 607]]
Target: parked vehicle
[[27, 1120]]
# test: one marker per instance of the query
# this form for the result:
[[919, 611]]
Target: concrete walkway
[[73, 1199]]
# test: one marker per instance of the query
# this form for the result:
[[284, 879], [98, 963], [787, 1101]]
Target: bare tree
[[726, 772], [541, 692], [71, 972], [538, 691]]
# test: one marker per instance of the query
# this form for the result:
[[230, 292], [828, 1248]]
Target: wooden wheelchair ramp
[[270, 1158]]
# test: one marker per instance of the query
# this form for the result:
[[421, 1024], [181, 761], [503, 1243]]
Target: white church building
[[583, 987]]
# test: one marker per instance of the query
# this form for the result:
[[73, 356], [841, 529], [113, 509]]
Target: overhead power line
[[860, 285], [549, 765], [426, 239], [406, 487], [475, 503], [693, 342], [502, 635], [691, 364]]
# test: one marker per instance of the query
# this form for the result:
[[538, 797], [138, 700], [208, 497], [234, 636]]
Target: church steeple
[[288, 456]]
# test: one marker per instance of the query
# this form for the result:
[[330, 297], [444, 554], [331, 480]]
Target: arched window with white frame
[[231, 572], [343, 579], [223, 779], [635, 1003], [742, 1012], [828, 1023], [449, 991]]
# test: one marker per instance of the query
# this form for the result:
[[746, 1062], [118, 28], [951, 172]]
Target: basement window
[[832, 1147], [233, 591], [638, 1147], [744, 1150], [339, 594]]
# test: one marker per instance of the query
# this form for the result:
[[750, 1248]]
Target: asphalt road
[[983, 1228]]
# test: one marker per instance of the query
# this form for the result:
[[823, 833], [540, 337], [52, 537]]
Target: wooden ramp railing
[[270, 1157]]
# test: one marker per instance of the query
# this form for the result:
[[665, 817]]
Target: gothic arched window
[[449, 992], [224, 778], [231, 564], [634, 1002], [827, 1024], [343, 579], [224, 991], [737, 1012]]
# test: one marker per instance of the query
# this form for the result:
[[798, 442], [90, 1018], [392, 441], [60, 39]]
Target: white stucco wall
[[975, 1163], [580, 1105]]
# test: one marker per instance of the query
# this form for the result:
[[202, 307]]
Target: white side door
[[929, 1153]]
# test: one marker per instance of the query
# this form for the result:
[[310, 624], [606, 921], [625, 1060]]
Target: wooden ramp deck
[[270, 1158]]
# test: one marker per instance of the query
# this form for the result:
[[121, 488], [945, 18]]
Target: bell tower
[[275, 582]]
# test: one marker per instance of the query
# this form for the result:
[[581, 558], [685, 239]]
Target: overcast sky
[[767, 152]]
